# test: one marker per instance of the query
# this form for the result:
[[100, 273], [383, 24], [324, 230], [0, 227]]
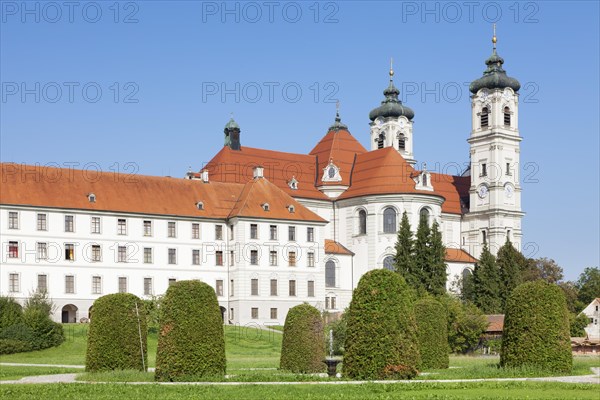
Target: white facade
[[592, 311]]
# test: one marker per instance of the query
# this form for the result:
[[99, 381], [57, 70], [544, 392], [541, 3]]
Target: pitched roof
[[69, 189], [495, 322], [333, 247], [459, 255], [260, 191], [236, 166], [339, 147]]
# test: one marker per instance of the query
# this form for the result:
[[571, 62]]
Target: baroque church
[[266, 229]]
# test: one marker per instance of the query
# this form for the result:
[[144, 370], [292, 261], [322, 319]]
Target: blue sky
[[153, 83]]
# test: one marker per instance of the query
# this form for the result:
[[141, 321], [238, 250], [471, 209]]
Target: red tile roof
[[495, 322], [69, 189], [333, 247], [459, 255], [341, 148]]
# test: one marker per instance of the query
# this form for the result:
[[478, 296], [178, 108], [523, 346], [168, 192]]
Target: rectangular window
[[273, 287], [218, 232], [508, 173], [172, 281], [230, 232], [42, 222], [253, 231], [311, 288], [231, 314], [13, 249], [147, 255], [70, 284], [254, 313], [69, 252], [273, 232], [96, 253], [310, 259], [196, 257], [219, 287], [292, 233], [171, 229], [333, 307], [121, 226], [147, 228], [231, 287], [330, 303], [95, 225], [13, 220], [254, 287], [13, 283], [96, 285], [231, 258], [310, 234], [273, 313], [122, 254], [122, 284], [195, 231], [483, 169], [42, 283], [272, 258], [69, 223], [254, 257], [292, 288], [219, 258], [292, 258], [148, 286], [172, 256]]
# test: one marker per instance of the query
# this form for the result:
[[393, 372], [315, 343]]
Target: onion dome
[[232, 125], [391, 106], [494, 77], [337, 125]]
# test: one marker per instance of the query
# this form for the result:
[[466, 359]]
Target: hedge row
[[303, 345], [432, 327]]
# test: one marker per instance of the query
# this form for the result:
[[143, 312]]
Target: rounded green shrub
[[114, 341], [432, 329], [381, 334], [46, 333], [191, 343], [11, 312], [303, 345], [536, 328]]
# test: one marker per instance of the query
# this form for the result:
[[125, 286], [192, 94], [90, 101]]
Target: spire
[[337, 125], [391, 106], [494, 39]]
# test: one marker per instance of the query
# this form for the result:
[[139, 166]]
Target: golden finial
[[391, 68], [494, 39]]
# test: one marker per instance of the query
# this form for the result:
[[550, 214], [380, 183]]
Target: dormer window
[[425, 180], [293, 184], [92, 198], [484, 117], [291, 209], [266, 207], [506, 116], [331, 173], [200, 205]]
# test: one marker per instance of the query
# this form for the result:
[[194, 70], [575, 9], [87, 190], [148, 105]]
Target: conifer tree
[[404, 258], [486, 283], [435, 276], [510, 264], [422, 255]]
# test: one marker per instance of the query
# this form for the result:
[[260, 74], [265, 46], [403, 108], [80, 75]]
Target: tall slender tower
[[495, 193]]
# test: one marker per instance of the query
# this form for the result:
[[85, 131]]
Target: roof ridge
[[245, 194]]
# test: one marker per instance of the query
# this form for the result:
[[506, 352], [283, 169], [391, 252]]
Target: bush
[[432, 329], [191, 343], [381, 337], [577, 324], [114, 335], [303, 344], [10, 346], [536, 329], [466, 324], [11, 312], [46, 333]]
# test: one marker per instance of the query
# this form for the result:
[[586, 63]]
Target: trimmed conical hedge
[[114, 336], [191, 343], [303, 345], [432, 328], [536, 328], [381, 337]]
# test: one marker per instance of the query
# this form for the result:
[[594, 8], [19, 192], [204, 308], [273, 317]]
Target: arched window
[[401, 142], [380, 141], [330, 274], [425, 214], [506, 116], [466, 274], [389, 220], [362, 222], [484, 117], [424, 179], [388, 263]]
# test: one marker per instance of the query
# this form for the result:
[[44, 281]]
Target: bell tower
[[495, 192], [391, 123]]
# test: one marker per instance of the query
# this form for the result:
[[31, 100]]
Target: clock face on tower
[[507, 94], [509, 190], [484, 94], [379, 121], [482, 191]]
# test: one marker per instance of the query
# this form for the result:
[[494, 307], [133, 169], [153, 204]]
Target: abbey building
[[266, 229]]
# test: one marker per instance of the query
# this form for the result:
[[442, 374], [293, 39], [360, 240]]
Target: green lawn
[[9, 373], [477, 390]]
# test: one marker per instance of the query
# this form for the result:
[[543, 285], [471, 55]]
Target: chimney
[[204, 175], [258, 172]]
